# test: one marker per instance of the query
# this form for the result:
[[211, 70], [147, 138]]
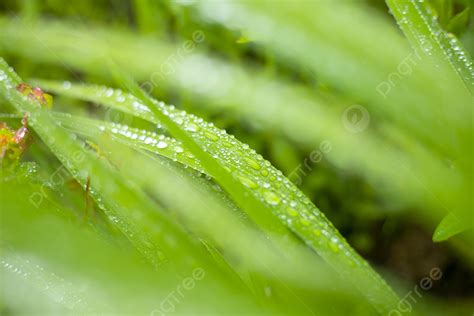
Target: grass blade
[[133, 137], [248, 173], [151, 232], [419, 23]]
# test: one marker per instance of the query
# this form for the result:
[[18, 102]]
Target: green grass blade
[[208, 218], [134, 137], [253, 177], [128, 208], [293, 111], [451, 225], [64, 268], [419, 23], [207, 215], [315, 36]]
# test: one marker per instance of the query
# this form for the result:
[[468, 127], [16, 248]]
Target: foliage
[[122, 203]]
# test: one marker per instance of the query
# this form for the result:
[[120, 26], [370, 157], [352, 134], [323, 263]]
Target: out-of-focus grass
[[169, 190]]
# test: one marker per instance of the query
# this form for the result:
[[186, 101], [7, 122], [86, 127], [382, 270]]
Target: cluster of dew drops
[[439, 35], [250, 168], [166, 146], [63, 291], [6, 81], [244, 163]]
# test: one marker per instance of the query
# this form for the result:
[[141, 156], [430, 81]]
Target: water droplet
[[292, 211], [252, 163], [248, 183], [161, 144], [211, 136], [305, 222], [271, 198], [333, 245], [66, 85], [192, 127]]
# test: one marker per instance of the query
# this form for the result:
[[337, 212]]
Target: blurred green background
[[282, 77]]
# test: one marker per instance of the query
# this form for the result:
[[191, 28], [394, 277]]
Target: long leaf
[[152, 232], [419, 23], [245, 175]]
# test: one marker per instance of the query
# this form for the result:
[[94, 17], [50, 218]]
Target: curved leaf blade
[[419, 23], [273, 195], [450, 226]]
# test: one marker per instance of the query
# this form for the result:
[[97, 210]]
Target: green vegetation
[[317, 158]]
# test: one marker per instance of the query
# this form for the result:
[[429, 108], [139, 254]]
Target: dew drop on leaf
[[247, 182], [305, 222], [252, 163], [192, 127], [292, 212], [161, 144], [211, 136], [271, 198], [316, 232]]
